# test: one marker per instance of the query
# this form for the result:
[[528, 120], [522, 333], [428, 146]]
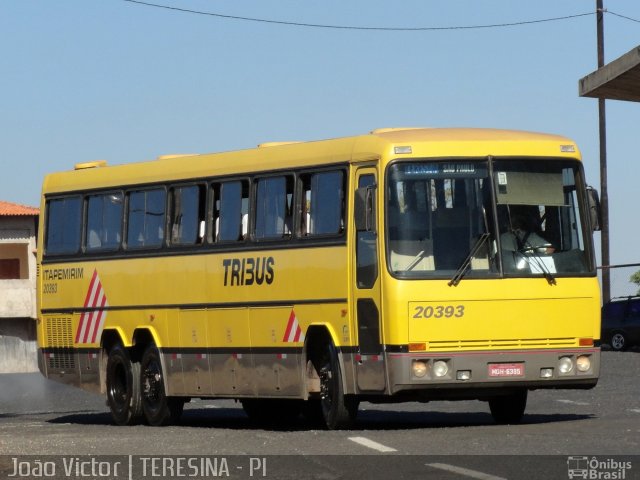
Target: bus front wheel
[[338, 411], [508, 409], [123, 387], [157, 407]]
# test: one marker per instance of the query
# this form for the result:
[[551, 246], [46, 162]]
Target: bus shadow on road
[[235, 419], [400, 420], [83, 418]]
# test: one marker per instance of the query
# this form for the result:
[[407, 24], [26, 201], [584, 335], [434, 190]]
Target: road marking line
[[464, 471], [371, 444], [23, 425], [572, 402], [634, 410]]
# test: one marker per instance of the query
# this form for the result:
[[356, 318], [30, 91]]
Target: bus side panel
[[231, 361], [58, 360], [249, 348], [278, 369], [192, 329]]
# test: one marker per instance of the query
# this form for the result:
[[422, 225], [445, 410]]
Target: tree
[[635, 278]]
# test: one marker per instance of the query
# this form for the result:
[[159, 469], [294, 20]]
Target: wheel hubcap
[[325, 384], [152, 383], [617, 341]]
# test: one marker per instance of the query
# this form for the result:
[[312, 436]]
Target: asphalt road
[[454, 440]]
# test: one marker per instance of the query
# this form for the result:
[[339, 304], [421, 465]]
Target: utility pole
[[604, 194]]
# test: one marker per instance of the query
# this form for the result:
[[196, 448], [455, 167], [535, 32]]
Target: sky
[[121, 81]]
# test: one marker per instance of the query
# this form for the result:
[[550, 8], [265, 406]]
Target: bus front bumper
[[491, 370]]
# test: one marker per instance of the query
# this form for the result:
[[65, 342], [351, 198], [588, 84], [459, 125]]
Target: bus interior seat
[[451, 237], [245, 225], [93, 240], [480, 261], [403, 253]]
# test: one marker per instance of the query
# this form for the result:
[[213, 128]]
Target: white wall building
[[18, 232]]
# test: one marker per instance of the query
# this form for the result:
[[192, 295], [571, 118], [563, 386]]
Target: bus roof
[[385, 144]]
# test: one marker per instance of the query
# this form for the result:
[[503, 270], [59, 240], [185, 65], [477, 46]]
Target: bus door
[[370, 371]]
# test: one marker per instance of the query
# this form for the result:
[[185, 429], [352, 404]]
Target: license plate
[[506, 369]]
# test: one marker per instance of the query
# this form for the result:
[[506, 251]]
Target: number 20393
[[437, 311]]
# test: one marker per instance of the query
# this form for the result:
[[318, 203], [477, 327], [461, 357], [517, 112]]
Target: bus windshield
[[522, 220]]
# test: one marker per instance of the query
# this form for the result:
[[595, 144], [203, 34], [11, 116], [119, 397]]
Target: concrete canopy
[[617, 80]]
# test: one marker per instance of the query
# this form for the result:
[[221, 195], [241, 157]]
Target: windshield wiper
[[538, 262], [455, 280]]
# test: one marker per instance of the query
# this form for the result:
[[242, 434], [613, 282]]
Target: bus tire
[[157, 407], [338, 411], [123, 387], [508, 409]]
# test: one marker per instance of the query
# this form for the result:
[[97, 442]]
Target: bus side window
[[230, 211], [274, 208], [366, 239], [104, 221], [64, 225], [323, 203], [146, 218], [187, 214]]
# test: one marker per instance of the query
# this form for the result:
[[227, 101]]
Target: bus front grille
[[502, 344]]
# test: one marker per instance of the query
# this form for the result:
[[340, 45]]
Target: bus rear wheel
[[157, 407], [508, 409], [123, 387]]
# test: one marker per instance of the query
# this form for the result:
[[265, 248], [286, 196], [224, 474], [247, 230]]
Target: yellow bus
[[304, 278]]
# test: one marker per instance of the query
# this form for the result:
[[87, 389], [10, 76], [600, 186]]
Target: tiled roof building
[[15, 210], [18, 226]]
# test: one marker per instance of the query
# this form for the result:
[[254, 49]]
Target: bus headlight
[[419, 368], [440, 368], [583, 363], [565, 365]]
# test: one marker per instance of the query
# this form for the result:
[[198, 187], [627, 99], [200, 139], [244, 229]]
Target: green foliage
[[635, 278]]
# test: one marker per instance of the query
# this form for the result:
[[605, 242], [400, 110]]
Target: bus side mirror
[[365, 209], [595, 214]]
